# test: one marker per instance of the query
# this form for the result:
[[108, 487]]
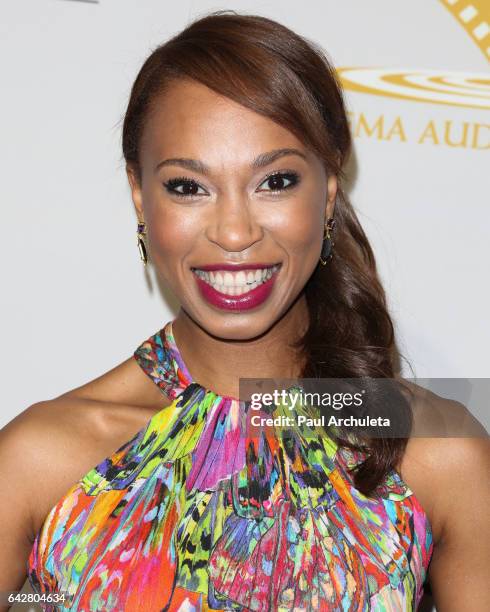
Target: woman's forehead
[[191, 120]]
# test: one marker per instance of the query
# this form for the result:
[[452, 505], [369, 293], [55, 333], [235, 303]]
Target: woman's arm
[[19, 487], [44, 451], [460, 568]]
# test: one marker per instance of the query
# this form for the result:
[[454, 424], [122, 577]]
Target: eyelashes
[[281, 181], [190, 186], [286, 175]]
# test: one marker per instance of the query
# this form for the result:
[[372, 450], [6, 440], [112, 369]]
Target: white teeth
[[236, 283], [240, 279]]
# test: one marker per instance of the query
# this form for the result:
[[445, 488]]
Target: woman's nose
[[233, 226]]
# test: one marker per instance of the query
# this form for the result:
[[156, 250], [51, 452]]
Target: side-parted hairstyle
[[268, 68]]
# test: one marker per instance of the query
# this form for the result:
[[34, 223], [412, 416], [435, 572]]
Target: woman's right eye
[[183, 187]]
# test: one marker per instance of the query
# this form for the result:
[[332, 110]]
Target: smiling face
[[235, 207]]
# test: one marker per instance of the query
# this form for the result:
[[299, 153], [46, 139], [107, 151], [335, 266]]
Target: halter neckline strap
[[161, 359]]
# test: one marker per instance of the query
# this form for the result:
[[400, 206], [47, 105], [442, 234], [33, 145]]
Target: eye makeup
[[190, 184]]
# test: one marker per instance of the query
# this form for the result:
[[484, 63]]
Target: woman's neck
[[218, 364]]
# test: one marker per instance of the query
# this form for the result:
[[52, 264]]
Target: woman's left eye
[[280, 181]]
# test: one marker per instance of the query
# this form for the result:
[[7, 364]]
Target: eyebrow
[[262, 160]]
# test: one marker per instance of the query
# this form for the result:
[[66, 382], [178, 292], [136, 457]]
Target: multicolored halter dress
[[192, 515]]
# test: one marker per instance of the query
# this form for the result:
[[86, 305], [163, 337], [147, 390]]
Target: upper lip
[[232, 267]]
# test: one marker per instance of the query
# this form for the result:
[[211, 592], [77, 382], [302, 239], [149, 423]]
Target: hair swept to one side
[[266, 67]]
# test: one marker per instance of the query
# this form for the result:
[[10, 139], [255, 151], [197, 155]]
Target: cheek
[[302, 232], [171, 236], [168, 246]]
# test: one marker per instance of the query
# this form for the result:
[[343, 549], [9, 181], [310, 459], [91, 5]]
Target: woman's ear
[[136, 192]]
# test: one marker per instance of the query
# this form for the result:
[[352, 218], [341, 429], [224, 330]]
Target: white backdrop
[[75, 298]]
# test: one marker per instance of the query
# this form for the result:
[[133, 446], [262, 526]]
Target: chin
[[240, 325]]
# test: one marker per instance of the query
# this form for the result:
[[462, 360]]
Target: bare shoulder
[[53, 443], [446, 464], [439, 417], [447, 459]]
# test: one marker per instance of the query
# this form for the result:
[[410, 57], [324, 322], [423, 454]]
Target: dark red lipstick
[[247, 300]]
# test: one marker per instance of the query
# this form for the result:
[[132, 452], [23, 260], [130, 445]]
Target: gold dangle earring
[[141, 236], [326, 254]]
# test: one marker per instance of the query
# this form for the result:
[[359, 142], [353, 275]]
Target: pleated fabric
[[197, 513]]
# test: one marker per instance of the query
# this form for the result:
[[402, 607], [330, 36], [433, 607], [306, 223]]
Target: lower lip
[[246, 301]]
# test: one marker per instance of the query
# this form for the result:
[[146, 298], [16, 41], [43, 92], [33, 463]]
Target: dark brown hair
[[266, 67]]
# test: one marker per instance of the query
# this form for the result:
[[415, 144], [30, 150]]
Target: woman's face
[[235, 209]]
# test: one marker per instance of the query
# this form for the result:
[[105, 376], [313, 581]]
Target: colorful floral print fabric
[[195, 514]]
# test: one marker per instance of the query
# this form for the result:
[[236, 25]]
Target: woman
[[235, 137]]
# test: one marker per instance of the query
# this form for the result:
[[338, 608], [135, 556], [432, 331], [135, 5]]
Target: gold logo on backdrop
[[471, 90], [474, 16], [453, 88], [445, 132]]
